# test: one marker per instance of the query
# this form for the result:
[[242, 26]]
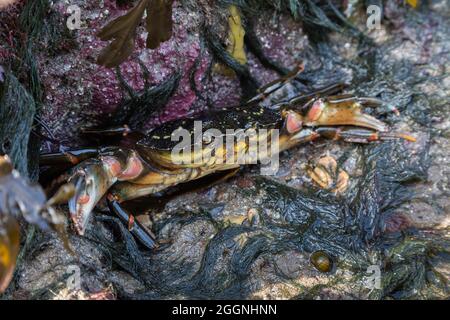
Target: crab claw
[[19, 198], [9, 248], [92, 179], [323, 113]]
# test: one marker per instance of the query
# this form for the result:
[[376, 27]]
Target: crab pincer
[[344, 119], [9, 248], [19, 198], [93, 178]]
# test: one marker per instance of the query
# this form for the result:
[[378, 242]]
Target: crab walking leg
[[273, 86], [145, 236], [155, 181], [359, 135], [309, 97], [124, 191], [68, 157], [74, 157], [123, 130], [346, 99]]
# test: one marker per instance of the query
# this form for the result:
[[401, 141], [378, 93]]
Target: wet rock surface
[[252, 236]]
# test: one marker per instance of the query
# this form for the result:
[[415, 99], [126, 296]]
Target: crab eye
[[316, 110]]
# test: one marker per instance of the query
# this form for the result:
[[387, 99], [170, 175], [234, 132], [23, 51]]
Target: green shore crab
[[120, 174]]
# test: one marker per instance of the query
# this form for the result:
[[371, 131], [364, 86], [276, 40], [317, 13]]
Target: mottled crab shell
[[159, 142]]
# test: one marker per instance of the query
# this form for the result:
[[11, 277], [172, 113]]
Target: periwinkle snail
[[321, 261]]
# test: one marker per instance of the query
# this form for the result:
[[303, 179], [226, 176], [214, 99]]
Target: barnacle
[[324, 173]]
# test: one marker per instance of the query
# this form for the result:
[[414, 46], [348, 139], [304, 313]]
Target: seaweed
[[159, 22], [317, 16], [235, 40], [24, 87], [124, 253], [135, 110], [410, 273], [21, 95], [31, 18], [348, 228], [17, 111], [413, 3], [123, 30], [248, 83]]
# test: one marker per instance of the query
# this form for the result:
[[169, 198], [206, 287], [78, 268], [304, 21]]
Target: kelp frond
[[123, 30], [159, 22]]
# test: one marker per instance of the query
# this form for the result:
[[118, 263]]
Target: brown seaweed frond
[[123, 30], [159, 22], [235, 41]]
